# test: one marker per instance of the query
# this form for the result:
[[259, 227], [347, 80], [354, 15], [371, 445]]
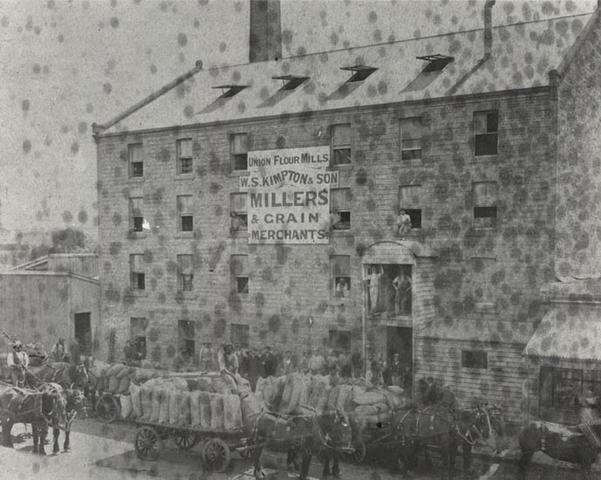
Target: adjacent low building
[[473, 134]]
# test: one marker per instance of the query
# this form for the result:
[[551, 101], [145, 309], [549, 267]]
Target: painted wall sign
[[289, 195]]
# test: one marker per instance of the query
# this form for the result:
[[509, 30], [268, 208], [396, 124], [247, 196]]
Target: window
[[340, 340], [239, 334], [486, 132], [360, 73], [136, 163], [411, 138], [239, 150], [238, 215], [485, 200], [560, 387], [341, 144], [186, 338], [136, 269], [185, 213], [184, 156], [185, 273], [389, 289], [239, 271], [436, 64], [340, 208], [474, 359], [136, 223], [137, 334], [409, 202], [340, 267]]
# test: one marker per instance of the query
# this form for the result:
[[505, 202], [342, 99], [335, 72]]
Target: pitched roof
[[522, 56], [573, 333]]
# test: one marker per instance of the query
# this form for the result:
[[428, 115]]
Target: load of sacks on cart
[[224, 402], [367, 405]]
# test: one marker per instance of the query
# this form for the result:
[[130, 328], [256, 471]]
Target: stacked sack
[[370, 406], [117, 378], [210, 402]]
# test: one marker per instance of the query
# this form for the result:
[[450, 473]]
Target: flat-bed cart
[[216, 447]]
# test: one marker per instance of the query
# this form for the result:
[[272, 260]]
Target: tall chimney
[[488, 28], [265, 39]]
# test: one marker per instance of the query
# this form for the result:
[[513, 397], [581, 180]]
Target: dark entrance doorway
[[399, 340], [83, 332]]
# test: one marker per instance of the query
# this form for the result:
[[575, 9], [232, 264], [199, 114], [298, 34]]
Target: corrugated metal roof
[[522, 56], [568, 332]]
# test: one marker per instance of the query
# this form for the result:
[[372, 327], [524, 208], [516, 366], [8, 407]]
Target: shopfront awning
[[572, 332]]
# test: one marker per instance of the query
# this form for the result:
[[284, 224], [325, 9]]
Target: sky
[[67, 64]]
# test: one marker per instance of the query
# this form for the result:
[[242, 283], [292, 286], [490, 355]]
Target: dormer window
[[436, 62], [230, 90], [291, 81], [360, 72]]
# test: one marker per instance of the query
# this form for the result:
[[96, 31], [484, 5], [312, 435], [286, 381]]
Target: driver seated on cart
[[17, 361]]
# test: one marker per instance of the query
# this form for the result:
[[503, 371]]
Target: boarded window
[[239, 151], [485, 204], [474, 359], [184, 156], [340, 274], [341, 144], [185, 208], [239, 272], [410, 201], [136, 269], [185, 273], [239, 335], [411, 138], [136, 162], [340, 208], [136, 215], [137, 334], [238, 212], [486, 126], [186, 338]]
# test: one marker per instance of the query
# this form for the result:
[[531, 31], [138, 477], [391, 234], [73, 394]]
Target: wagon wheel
[[359, 451], [216, 454], [147, 443], [185, 440], [108, 408]]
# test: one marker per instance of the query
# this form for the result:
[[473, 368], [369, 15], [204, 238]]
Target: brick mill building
[[474, 134]]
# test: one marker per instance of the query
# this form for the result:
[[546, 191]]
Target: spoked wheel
[[359, 451], [108, 408], [147, 443], [216, 455], [185, 440]]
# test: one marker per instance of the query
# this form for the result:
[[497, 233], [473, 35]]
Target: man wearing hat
[[17, 362], [590, 422]]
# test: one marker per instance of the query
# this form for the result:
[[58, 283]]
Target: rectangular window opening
[[238, 215], [137, 335], [136, 162], [486, 125], [341, 144], [185, 208], [477, 359], [239, 151], [340, 272], [239, 272], [136, 207], [411, 138], [185, 273], [184, 156], [239, 335], [340, 205], [137, 275], [360, 72], [187, 338], [485, 208]]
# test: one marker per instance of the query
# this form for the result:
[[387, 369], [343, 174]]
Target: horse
[[566, 443], [448, 429], [41, 408], [305, 431], [67, 375]]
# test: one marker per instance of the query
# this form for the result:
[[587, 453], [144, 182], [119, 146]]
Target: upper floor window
[[239, 334], [184, 156], [411, 138], [186, 337], [136, 215], [136, 272], [340, 273], [135, 159], [410, 212], [185, 273], [239, 151], [485, 204], [340, 208], [486, 125], [185, 213], [474, 359], [239, 271], [238, 213], [341, 144]]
